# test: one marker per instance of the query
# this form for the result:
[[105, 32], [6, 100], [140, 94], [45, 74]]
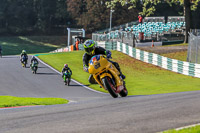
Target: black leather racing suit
[[34, 60], [98, 50], [24, 54], [66, 69]]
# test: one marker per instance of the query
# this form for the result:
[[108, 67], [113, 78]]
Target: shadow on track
[[79, 85], [38, 67], [130, 96], [43, 67], [48, 74]]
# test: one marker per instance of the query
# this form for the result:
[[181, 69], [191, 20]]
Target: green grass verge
[[182, 55], [33, 44], [171, 45], [11, 101], [195, 129], [141, 78]]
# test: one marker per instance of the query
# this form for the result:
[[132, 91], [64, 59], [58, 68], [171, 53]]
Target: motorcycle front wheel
[[24, 64], [68, 80], [109, 86], [35, 69], [124, 92]]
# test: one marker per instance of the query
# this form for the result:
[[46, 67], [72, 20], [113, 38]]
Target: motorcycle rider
[[66, 68], [33, 59], [23, 54], [91, 50]]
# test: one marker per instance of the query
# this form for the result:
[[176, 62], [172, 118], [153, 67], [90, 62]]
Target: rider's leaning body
[[33, 59], [66, 68], [97, 50], [91, 50], [23, 54]]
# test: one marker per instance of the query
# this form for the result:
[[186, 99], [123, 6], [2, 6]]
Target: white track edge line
[[71, 79], [180, 128]]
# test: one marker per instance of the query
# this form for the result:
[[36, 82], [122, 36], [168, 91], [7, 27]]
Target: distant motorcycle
[[34, 67], [67, 78], [24, 61]]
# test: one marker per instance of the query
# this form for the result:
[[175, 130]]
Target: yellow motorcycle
[[107, 76]]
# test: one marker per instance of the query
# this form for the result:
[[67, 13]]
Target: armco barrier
[[66, 49], [182, 67], [61, 50]]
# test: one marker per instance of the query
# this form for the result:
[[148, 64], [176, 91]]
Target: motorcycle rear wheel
[[24, 64], [109, 86]]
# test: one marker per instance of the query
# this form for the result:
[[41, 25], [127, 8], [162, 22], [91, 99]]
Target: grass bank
[[11, 101], [181, 55], [141, 78], [32, 44], [179, 44]]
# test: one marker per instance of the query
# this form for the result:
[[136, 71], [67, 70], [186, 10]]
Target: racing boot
[[122, 76], [118, 68]]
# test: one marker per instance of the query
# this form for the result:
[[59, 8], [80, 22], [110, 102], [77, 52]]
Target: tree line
[[30, 17], [52, 17]]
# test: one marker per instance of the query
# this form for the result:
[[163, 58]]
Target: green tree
[[149, 8], [50, 14], [15, 15], [24, 17], [93, 15]]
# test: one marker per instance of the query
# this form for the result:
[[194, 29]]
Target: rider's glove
[[85, 68], [108, 54]]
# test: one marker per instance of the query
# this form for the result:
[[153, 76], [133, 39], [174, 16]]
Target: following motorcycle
[[24, 61], [107, 76], [67, 77], [34, 67]]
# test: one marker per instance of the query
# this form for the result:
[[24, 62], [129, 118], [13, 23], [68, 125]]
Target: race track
[[19, 81], [88, 111]]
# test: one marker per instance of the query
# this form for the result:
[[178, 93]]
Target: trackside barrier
[[69, 48], [107, 45], [61, 50], [182, 67]]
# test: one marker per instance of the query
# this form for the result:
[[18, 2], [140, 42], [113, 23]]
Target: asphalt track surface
[[88, 111]]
